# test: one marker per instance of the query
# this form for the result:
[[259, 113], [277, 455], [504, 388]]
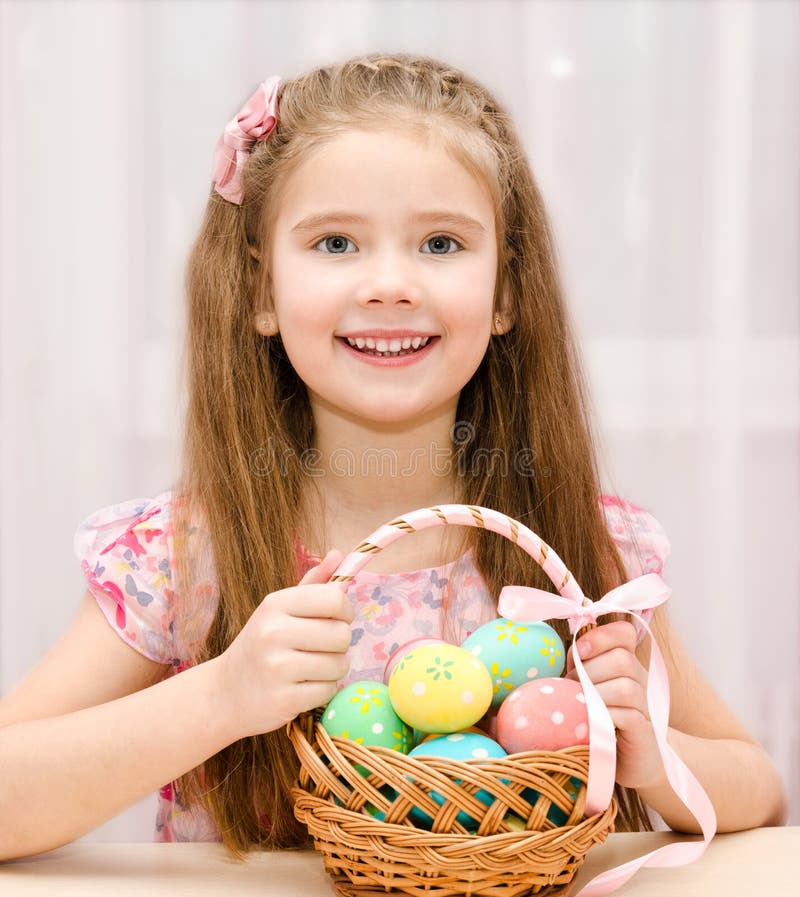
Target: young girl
[[375, 325]]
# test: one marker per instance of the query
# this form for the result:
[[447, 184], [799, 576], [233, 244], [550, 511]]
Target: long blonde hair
[[248, 408]]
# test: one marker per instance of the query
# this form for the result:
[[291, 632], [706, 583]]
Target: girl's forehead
[[384, 167], [380, 147]]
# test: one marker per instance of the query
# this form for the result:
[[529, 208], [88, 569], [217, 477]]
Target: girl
[[375, 325]]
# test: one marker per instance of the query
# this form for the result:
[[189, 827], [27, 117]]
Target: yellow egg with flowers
[[440, 688]]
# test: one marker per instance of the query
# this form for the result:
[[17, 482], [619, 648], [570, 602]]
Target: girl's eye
[[439, 239], [333, 244]]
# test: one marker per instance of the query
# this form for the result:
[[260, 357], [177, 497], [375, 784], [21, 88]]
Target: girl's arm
[[92, 730], [69, 766], [736, 772]]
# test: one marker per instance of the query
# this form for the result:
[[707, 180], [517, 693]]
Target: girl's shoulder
[[638, 536], [139, 525], [127, 555]]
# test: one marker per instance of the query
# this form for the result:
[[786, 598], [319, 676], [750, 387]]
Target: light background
[[665, 137]]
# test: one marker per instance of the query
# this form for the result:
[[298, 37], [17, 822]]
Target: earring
[[498, 322]]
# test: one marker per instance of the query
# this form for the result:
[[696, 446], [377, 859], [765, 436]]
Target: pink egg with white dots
[[543, 715]]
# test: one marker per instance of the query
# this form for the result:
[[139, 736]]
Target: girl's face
[[382, 238]]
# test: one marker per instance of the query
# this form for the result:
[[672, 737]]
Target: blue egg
[[515, 653], [457, 746]]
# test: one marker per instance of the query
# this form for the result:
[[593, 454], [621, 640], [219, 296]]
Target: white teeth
[[388, 346]]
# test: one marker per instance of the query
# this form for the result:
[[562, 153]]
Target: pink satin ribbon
[[523, 604], [254, 121]]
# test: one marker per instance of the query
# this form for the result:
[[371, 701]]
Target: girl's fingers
[[317, 666], [628, 720], [623, 694], [324, 569], [619, 634], [317, 634], [616, 663], [313, 694], [323, 601]]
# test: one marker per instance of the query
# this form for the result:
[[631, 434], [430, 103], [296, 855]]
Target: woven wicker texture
[[514, 847]]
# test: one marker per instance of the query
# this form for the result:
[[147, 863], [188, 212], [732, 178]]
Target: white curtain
[[665, 137]]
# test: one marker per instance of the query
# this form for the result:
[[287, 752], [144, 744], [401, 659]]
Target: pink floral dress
[[127, 555]]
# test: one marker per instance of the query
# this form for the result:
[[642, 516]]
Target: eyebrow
[[454, 219]]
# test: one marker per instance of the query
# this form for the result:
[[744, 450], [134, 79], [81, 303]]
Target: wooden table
[[743, 864]]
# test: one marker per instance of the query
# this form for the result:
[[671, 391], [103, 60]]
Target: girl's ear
[[266, 323], [504, 317], [265, 320]]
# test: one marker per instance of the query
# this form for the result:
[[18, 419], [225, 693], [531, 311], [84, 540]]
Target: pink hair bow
[[254, 121], [523, 604]]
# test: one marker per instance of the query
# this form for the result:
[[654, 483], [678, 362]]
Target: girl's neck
[[361, 479], [339, 522]]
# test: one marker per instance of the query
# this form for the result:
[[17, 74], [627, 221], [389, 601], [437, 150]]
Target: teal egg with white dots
[[514, 653], [362, 712], [458, 746]]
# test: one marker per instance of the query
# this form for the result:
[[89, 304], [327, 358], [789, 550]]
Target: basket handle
[[463, 515]]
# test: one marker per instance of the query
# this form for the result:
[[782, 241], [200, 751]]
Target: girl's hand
[[289, 655], [611, 663]]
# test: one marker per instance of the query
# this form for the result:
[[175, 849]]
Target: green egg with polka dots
[[514, 653], [363, 713]]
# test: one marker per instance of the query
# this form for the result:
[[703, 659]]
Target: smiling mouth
[[382, 348]]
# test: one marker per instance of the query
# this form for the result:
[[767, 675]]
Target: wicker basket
[[361, 825]]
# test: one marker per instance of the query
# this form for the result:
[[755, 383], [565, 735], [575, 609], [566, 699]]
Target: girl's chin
[[386, 409]]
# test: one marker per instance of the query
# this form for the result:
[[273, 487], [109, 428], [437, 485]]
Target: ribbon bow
[[524, 604], [254, 121]]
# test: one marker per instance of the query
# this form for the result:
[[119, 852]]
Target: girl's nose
[[389, 279]]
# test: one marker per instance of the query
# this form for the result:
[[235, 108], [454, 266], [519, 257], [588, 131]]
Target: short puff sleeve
[[639, 538], [125, 552]]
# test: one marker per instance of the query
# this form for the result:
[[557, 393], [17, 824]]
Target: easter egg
[[515, 653], [362, 712], [545, 715], [440, 688], [395, 656], [457, 746]]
